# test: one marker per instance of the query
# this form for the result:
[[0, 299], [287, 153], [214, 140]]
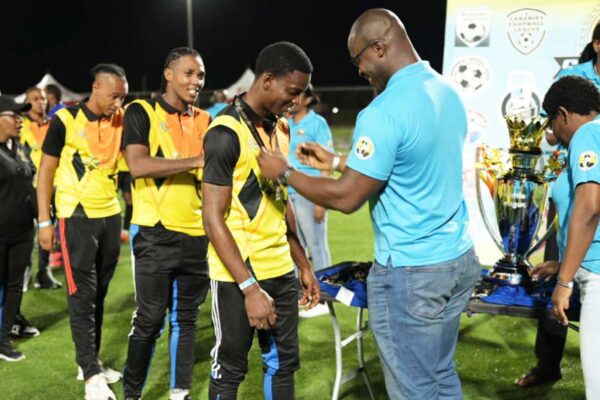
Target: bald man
[[406, 159]]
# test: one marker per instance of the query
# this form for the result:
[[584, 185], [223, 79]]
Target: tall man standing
[[81, 148], [252, 231], [162, 140], [406, 159]]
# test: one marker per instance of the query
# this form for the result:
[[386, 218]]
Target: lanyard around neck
[[238, 106]]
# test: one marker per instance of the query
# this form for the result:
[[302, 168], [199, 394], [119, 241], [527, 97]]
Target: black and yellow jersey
[[88, 148], [256, 216], [168, 133], [32, 137]]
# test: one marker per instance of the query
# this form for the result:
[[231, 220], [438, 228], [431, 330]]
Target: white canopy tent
[[242, 84], [67, 95]]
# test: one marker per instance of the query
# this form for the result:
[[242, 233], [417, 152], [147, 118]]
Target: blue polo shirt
[[583, 161], [411, 137], [215, 109], [311, 128], [585, 70]]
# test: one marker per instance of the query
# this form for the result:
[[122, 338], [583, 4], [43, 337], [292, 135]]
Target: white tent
[[242, 84], [67, 95]]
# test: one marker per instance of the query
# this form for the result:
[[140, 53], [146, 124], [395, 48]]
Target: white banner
[[502, 57]]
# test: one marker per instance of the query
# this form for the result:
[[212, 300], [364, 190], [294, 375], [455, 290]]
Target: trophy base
[[506, 273]]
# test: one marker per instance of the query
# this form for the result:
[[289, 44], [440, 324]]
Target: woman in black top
[[16, 220]]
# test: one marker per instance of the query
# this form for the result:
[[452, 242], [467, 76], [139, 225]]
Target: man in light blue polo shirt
[[406, 159]]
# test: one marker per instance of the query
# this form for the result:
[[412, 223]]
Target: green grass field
[[492, 351]]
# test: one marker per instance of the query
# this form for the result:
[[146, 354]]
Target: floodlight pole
[[190, 26]]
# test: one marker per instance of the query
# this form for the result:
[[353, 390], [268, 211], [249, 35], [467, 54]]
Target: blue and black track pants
[[234, 337], [170, 272]]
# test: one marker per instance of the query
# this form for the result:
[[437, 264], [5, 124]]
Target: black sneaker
[[23, 329], [9, 353], [46, 280]]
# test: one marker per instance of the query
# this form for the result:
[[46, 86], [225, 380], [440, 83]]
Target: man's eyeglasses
[[356, 59], [12, 115]]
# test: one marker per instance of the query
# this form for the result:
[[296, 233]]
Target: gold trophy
[[517, 182]]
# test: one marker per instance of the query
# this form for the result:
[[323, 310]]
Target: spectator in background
[[54, 95], [219, 100], [311, 219], [32, 135], [16, 220]]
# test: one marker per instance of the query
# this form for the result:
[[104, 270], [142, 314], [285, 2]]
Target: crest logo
[[521, 99], [587, 160], [472, 27], [364, 148], [526, 29], [470, 74]]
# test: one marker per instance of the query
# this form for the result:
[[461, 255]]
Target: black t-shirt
[[17, 194]]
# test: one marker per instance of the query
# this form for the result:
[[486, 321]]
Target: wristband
[[247, 283], [44, 224], [335, 163], [560, 282]]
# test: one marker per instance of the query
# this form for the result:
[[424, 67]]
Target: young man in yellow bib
[[252, 231], [162, 141], [80, 155]]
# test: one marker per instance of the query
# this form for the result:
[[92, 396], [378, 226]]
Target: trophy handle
[[545, 236], [488, 225]]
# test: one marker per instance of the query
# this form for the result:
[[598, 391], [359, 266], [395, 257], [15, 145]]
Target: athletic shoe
[[96, 388], [109, 374], [318, 310], [46, 281], [180, 394], [9, 353], [23, 329]]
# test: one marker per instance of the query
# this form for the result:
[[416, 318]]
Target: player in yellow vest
[[80, 155], [32, 135], [253, 244], [162, 142]]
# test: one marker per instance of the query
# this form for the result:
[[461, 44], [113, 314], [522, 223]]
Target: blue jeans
[[414, 313], [312, 234]]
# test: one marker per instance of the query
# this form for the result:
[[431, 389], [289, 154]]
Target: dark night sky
[[68, 37]]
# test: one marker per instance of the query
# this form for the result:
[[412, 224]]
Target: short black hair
[[105, 68], [282, 58], [173, 56], [54, 90], [576, 94]]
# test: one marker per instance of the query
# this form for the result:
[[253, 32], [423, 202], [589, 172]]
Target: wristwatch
[[283, 178]]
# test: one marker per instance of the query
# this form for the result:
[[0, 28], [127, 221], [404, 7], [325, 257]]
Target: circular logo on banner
[[523, 103], [470, 74], [587, 29], [364, 148], [587, 160]]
